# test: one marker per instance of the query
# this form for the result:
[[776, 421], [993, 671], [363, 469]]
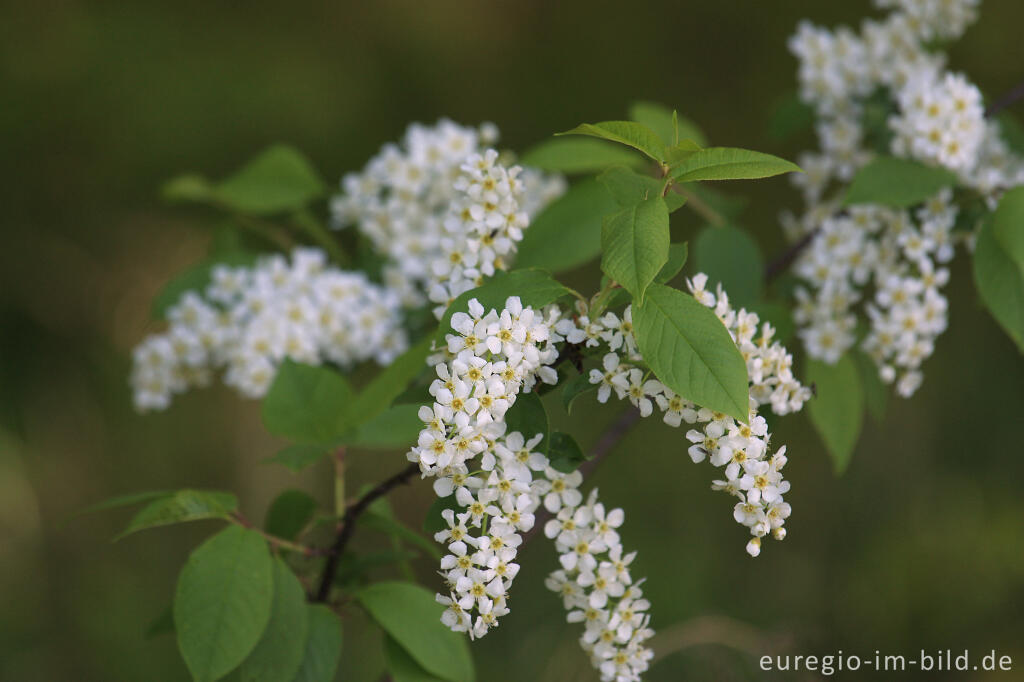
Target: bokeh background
[[917, 546]]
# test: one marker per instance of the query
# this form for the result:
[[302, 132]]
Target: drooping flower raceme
[[936, 117], [249, 319], [751, 472]]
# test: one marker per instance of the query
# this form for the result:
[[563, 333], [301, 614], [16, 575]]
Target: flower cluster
[[497, 479], [598, 590], [249, 319], [441, 209], [927, 114], [751, 473]]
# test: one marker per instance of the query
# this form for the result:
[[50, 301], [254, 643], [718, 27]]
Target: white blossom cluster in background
[[441, 209], [750, 472], [249, 319], [499, 481], [937, 118]]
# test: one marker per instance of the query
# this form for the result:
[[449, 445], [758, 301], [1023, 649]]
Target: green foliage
[[677, 255], [564, 452], [394, 428], [182, 506], [628, 133], [298, 456], [578, 155], [730, 255], [433, 522], [576, 387], [1008, 225], [223, 602], [528, 416], [323, 645], [691, 352], [289, 513], [627, 187], [401, 666], [896, 182], [635, 245], [729, 163], [378, 395], [409, 614], [574, 218], [277, 180], [126, 500], [666, 123], [394, 528], [161, 625], [1000, 280], [280, 651], [837, 410], [306, 403], [534, 288]]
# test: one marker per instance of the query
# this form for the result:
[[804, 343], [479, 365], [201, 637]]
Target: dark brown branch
[[781, 263], [1011, 97], [347, 526], [605, 444]]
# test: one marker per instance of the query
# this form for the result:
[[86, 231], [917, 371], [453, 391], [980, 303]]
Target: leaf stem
[[239, 519], [699, 206]]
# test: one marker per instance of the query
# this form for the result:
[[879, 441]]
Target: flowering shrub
[[439, 274]]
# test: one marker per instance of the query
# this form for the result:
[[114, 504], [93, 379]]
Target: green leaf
[[180, 507], [534, 288], [565, 453], [837, 410], [279, 179], [896, 182], [677, 255], [409, 614], [433, 522], [691, 352], [635, 242], [395, 528], [378, 395], [628, 187], [403, 667], [789, 117], [730, 163], [355, 569], [223, 600], [397, 427], [280, 651], [301, 455], [1011, 131], [659, 118], [190, 187], [628, 133], [876, 393], [306, 403], [780, 317], [323, 646], [528, 416], [574, 218], [576, 387], [289, 513], [578, 155], [729, 255], [196, 278], [999, 280], [1008, 225]]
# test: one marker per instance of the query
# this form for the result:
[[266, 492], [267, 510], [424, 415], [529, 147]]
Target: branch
[[347, 526], [1005, 101], [605, 444], [781, 263]]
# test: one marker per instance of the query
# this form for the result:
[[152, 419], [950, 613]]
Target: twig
[[605, 444], [700, 206], [280, 543], [781, 263], [347, 526], [1005, 101]]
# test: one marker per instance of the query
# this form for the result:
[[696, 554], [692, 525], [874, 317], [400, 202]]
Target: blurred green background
[[916, 546]]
